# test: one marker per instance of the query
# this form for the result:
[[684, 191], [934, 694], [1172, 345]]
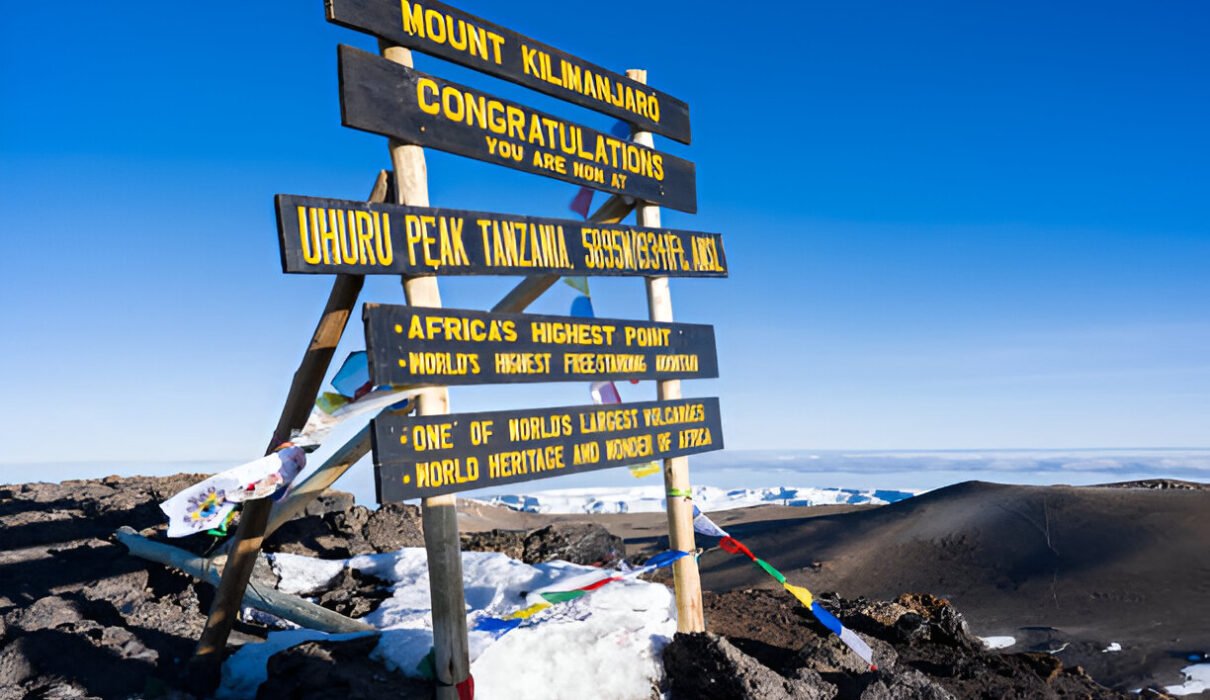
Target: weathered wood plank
[[255, 516], [437, 29], [409, 346], [417, 456], [285, 606], [382, 97], [325, 236], [438, 515], [686, 578]]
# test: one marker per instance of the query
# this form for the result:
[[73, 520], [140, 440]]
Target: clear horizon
[[723, 454], [765, 469]]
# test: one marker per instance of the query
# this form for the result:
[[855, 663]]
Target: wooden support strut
[[255, 516], [685, 575], [439, 515], [286, 606]]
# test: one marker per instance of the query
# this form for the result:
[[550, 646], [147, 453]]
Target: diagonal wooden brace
[[255, 517], [283, 605]]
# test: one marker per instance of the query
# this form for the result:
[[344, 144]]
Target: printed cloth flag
[[581, 307], [580, 284], [569, 589], [640, 471], [705, 526], [353, 377], [582, 202], [354, 396], [208, 504], [604, 393], [333, 409]]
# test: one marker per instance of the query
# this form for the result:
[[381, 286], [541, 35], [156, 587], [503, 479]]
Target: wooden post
[[613, 210], [250, 534], [439, 515], [283, 605], [686, 579], [524, 294]]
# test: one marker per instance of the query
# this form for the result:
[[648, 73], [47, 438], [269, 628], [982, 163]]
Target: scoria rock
[[394, 526], [345, 670], [909, 684], [704, 666], [578, 543]]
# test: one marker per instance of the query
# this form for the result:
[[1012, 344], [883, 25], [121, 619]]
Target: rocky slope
[[80, 618]]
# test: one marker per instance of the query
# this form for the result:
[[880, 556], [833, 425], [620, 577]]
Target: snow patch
[[608, 640], [651, 499], [615, 651], [246, 669], [1113, 646], [299, 575], [998, 642], [1197, 680]]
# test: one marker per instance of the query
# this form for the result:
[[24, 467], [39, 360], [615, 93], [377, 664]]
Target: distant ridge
[[1126, 563]]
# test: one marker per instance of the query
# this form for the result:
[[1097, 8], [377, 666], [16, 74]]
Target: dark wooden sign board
[[412, 346], [383, 97], [421, 456], [447, 452], [443, 31], [333, 236]]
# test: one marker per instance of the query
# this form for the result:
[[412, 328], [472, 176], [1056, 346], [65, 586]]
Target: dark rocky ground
[[759, 646], [1063, 569], [79, 618]]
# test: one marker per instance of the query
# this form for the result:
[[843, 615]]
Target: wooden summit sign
[[433, 454], [325, 236], [421, 456], [410, 346], [384, 97], [443, 31]]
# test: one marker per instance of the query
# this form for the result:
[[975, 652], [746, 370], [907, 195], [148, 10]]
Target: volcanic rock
[[510, 543], [921, 648], [338, 530], [79, 617], [579, 543], [704, 666], [354, 593], [323, 670]]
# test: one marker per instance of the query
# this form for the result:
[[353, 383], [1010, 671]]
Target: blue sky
[[950, 224]]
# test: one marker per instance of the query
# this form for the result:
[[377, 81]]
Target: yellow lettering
[[426, 92], [382, 227], [308, 237], [413, 18]]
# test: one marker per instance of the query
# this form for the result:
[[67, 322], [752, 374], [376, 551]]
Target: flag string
[[705, 526]]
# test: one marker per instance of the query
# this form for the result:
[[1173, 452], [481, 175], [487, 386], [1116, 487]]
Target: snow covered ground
[[608, 640], [1197, 680], [999, 642], [649, 498]]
